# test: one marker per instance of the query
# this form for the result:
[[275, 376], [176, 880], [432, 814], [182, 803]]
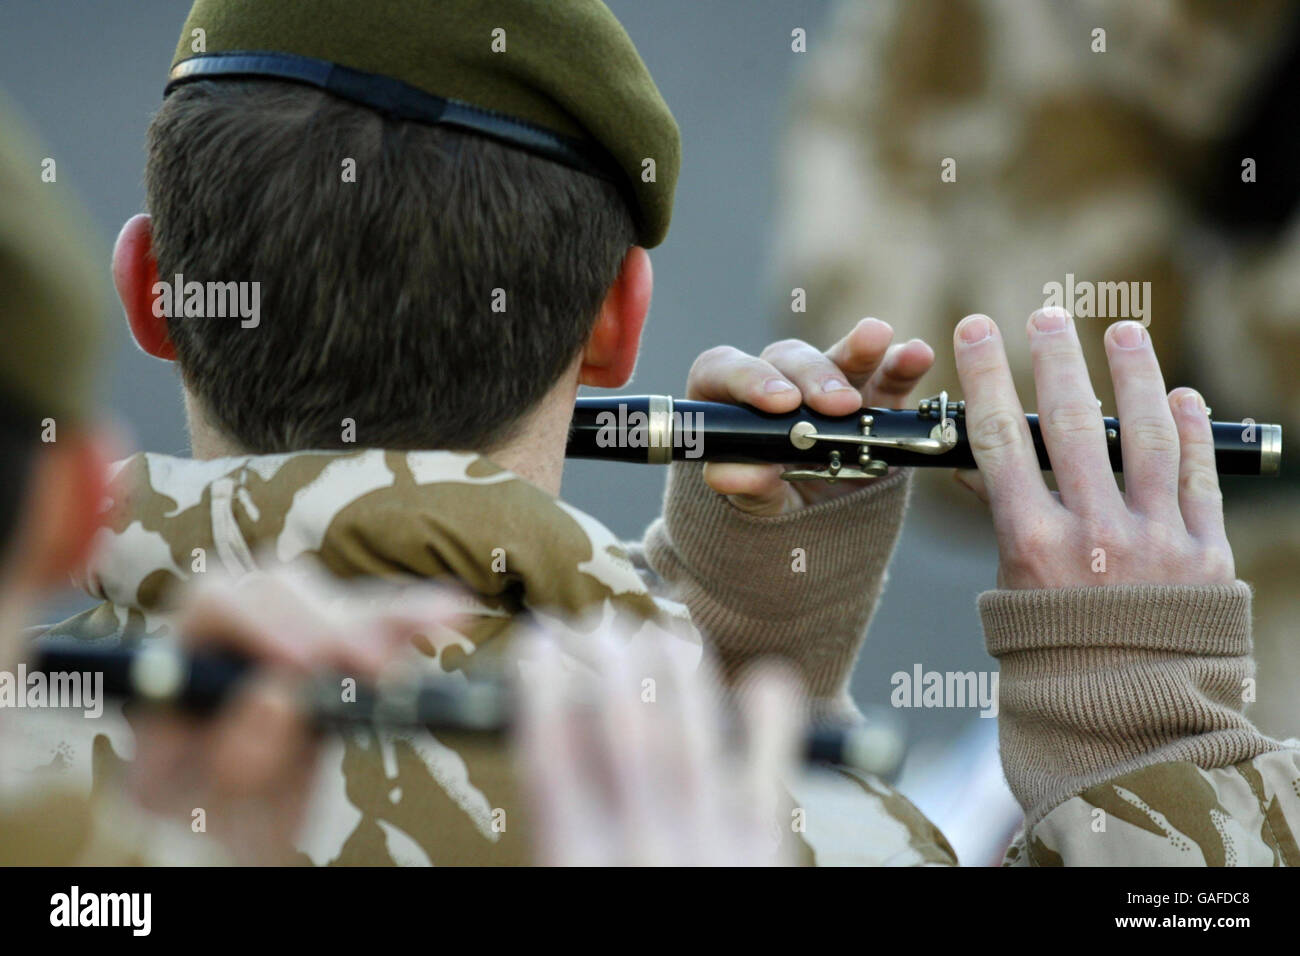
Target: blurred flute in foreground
[[162, 675], [657, 429]]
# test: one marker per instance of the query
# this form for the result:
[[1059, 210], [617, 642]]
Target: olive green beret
[[559, 78], [51, 326]]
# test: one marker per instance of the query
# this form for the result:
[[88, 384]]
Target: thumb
[[753, 489], [972, 480]]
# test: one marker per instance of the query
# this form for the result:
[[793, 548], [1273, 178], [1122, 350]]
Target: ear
[[67, 487], [610, 355], [135, 273]]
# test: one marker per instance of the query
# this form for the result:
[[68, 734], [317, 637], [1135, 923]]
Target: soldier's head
[[421, 224], [52, 462]]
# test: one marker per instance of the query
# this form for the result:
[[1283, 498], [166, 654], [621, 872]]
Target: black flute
[[160, 674], [657, 429]]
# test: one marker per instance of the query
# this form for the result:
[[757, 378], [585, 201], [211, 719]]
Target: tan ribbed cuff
[[1099, 682], [800, 586]]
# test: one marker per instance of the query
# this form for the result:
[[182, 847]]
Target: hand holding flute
[[1165, 527], [246, 759], [232, 730], [861, 369], [745, 410]]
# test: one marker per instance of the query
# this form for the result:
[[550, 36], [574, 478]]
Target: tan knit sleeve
[[1097, 683], [802, 586]]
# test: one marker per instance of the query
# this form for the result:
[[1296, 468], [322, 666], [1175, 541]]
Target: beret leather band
[[402, 101]]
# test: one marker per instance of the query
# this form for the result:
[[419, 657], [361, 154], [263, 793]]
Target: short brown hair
[[376, 295]]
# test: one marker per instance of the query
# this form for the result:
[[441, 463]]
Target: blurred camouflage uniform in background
[[53, 332], [1121, 163]]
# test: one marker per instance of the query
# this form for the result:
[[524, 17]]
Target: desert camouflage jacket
[[1108, 770]]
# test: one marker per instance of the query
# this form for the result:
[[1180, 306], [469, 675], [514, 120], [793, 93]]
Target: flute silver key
[[658, 429]]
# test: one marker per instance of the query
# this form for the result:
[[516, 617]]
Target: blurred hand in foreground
[[249, 766], [627, 759]]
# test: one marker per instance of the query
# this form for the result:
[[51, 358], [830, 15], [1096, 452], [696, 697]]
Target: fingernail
[[1051, 320], [974, 328], [777, 385], [834, 385], [1129, 335], [1192, 403]]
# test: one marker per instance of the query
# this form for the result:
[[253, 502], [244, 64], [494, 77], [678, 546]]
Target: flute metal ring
[[1270, 449], [660, 430]]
